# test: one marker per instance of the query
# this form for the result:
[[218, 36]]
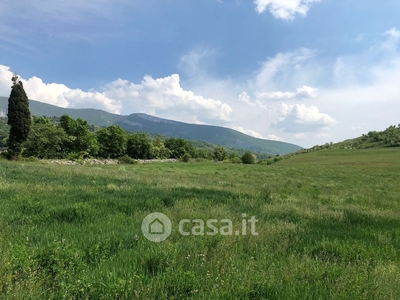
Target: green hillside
[[390, 137], [93, 116], [213, 134], [144, 123]]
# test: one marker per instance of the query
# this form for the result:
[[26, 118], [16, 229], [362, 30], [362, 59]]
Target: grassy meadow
[[328, 228]]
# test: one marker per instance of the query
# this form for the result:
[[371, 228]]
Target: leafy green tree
[[138, 146], [81, 139], [4, 132], [19, 118], [178, 147], [203, 153], [219, 153], [112, 141], [45, 140], [248, 158], [158, 149]]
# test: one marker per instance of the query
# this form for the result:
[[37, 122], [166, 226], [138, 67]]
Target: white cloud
[[274, 137], [195, 62], [303, 92], [366, 67], [393, 32], [245, 98], [298, 118], [307, 92], [276, 95], [284, 9], [248, 132], [161, 96], [58, 94], [290, 69]]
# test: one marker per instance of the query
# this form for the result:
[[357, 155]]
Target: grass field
[[328, 228]]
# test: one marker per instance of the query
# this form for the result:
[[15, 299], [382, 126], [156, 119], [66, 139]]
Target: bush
[[127, 160], [236, 160], [186, 157], [220, 153], [248, 158]]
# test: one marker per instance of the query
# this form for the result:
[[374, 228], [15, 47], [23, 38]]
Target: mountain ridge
[[140, 122]]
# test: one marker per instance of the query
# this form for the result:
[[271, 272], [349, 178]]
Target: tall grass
[[328, 228]]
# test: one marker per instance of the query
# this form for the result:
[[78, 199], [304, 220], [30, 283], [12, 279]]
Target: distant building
[[3, 113]]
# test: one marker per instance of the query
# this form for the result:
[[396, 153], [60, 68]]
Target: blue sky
[[302, 71]]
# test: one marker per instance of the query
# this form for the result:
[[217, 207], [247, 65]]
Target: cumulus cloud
[[58, 94], [299, 118], [248, 132], [161, 96], [303, 92], [274, 138], [284, 9], [245, 98]]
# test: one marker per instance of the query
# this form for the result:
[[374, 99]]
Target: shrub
[[236, 160], [186, 157], [220, 153], [127, 160], [248, 158]]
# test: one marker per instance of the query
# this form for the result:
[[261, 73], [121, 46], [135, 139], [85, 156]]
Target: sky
[[306, 72]]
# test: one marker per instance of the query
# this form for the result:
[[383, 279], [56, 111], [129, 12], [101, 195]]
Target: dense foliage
[[248, 158], [19, 118], [4, 132], [65, 137]]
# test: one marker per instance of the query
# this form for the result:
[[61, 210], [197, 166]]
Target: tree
[[158, 149], [80, 140], [45, 140], [112, 141], [178, 147], [220, 153], [19, 118], [248, 158], [138, 146]]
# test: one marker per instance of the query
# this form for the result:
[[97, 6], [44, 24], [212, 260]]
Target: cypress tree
[[19, 118]]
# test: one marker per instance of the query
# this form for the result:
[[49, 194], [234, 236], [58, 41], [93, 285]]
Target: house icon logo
[[156, 227]]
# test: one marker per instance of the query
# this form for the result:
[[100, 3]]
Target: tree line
[[68, 138]]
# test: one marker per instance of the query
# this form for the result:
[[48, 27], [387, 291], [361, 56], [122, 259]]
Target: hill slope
[[145, 123], [213, 134], [93, 116]]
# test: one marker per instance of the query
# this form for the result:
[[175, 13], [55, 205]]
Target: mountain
[[93, 116], [139, 122], [213, 134]]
